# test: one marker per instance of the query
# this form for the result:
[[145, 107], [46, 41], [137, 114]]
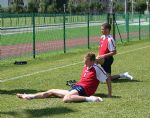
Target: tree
[[51, 9], [60, 5], [70, 6], [17, 6], [1, 9], [33, 6], [140, 6], [42, 6], [117, 6], [97, 7]]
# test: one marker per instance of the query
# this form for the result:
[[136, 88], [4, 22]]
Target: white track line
[[14, 78], [51, 69], [125, 52]]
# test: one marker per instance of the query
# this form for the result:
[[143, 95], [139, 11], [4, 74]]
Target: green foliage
[[42, 6], [140, 6], [85, 6], [1, 9], [52, 8], [17, 6], [118, 7], [72, 6], [33, 6]]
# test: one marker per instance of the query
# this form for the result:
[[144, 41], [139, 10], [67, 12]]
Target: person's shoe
[[96, 99], [127, 76]]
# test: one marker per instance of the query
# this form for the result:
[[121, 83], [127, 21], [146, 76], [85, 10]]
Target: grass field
[[130, 98]]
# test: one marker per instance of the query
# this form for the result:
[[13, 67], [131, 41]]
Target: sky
[[4, 3]]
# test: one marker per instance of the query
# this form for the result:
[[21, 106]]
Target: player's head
[[106, 28], [89, 59]]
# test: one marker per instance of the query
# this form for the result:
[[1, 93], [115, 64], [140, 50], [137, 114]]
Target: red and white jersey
[[91, 77], [107, 44]]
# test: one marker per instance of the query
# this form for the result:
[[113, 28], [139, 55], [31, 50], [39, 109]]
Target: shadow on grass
[[32, 113], [8, 113], [105, 95], [47, 111], [15, 91], [125, 80]]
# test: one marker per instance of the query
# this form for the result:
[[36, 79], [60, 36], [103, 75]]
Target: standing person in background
[[107, 49]]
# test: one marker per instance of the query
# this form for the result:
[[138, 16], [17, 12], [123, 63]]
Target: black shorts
[[107, 64], [79, 88]]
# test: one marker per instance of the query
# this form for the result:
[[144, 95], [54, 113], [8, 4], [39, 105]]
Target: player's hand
[[100, 57], [100, 60]]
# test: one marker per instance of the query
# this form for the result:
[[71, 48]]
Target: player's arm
[[111, 48], [108, 81], [109, 54]]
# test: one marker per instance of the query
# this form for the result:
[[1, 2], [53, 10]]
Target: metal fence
[[33, 34]]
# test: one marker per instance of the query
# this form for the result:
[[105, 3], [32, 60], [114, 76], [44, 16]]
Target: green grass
[[130, 98]]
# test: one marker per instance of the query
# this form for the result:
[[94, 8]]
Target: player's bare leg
[[125, 75], [73, 96], [53, 92]]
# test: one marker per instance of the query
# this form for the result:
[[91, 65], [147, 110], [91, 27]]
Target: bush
[[140, 7], [51, 9], [42, 7]]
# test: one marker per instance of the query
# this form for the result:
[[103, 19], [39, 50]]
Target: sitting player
[[83, 90]]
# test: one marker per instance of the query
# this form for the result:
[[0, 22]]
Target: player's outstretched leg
[[126, 75], [53, 92], [25, 96]]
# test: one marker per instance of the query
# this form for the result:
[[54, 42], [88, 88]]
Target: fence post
[[18, 19], [139, 26], [149, 24], [108, 18], [64, 28], [114, 27], [127, 26], [33, 24], [2, 20], [1, 27], [25, 19], [10, 22], [88, 30], [44, 18]]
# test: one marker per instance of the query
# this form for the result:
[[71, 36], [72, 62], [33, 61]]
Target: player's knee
[[51, 90], [48, 93], [45, 94], [67, 98]]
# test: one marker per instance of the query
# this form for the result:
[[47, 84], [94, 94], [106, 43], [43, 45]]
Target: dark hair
[[106, 26], [91, 55]]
